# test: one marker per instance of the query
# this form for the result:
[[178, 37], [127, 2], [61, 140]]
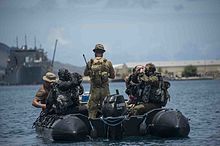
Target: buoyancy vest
[[99, 71]]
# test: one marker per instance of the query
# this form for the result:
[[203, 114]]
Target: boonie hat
[[99, 47], [50, 77]]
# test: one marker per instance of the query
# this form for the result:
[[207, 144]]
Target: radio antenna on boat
[[54, 52]]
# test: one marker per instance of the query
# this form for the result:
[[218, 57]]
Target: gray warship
[[26, 66]]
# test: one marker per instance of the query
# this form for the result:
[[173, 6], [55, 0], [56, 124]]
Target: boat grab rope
[[114, 121], [90, 123]]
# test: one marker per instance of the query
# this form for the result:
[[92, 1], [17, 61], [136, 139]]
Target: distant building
[[174, 68], [121, 71]]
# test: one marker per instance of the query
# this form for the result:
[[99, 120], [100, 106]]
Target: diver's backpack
[[114, 106]]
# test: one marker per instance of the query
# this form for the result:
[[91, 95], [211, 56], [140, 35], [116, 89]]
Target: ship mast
[[54, 52], [35, 47], [17, 42], [25, 45]]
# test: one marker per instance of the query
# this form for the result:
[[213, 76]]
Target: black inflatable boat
[[77, 127]]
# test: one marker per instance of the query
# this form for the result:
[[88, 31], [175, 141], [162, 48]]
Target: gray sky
[[131, 30]]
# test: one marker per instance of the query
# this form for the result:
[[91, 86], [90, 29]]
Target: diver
[[131, 82], [150, 91], [64, 97]]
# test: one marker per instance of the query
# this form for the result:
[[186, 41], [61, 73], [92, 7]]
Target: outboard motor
[[114, 106], [113, 109]]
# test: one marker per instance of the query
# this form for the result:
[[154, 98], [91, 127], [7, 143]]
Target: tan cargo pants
[[95, 102]]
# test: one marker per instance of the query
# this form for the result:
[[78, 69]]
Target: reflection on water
[[197, 100]]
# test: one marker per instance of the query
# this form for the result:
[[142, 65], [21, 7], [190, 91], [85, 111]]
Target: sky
[[130, 30]]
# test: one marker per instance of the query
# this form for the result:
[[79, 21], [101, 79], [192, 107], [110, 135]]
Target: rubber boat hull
[[77, 127], [72, 127]]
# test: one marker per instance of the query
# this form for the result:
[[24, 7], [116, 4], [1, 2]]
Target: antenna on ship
[[54, 52], [25, 45], [35, 47], [17, 42]]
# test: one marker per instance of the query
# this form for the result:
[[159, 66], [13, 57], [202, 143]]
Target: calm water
[[197, 100]]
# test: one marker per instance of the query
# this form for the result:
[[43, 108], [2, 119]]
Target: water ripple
[[198, 100]]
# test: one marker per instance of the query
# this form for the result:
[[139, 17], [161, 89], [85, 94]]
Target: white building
[[174, 68]]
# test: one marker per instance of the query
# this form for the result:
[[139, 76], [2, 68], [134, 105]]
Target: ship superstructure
[[26, 66]]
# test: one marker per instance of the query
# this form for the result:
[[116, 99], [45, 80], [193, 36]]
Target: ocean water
[[197, 100]]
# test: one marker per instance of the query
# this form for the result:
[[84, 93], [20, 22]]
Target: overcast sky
[[131, 30]]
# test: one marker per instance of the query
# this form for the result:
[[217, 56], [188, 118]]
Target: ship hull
[[25, 75]]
